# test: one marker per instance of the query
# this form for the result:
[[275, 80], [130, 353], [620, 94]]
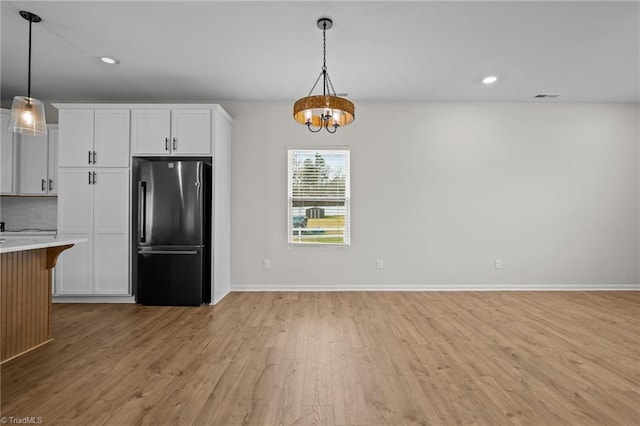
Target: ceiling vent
[[545, 95]]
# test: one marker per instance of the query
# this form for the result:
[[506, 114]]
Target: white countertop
[[33, 243]]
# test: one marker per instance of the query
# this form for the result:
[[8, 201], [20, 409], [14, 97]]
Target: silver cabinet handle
[[95, 157], [175, 144], [43, 188], [166, 144], [89, 178], [94, 178], [50, 184], [89, 161]]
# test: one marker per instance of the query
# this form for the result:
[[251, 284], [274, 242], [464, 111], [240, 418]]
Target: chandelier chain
[[324, 46], [324, 58], [330, 86], [315, 84]]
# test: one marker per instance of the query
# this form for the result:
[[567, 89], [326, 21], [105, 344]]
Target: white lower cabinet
[[94, 204]]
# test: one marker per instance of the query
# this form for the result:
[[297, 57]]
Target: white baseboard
[[215, 301], [94, 299], [435, 287], [374, 287]]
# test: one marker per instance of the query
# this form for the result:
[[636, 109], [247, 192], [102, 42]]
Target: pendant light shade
[[27, 116], [327, 111], [27, 113]]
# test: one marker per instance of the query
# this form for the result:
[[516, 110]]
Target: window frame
[[346, 151]]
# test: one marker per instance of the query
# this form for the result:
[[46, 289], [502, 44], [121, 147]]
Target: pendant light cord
[[29, 72]]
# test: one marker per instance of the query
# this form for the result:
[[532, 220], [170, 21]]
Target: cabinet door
[[6, 154], [75, 201], [191, 132], [33, 152], [52, 158], [150, 131], [73, 271], [75, 138], [111, 232], [111, 142]]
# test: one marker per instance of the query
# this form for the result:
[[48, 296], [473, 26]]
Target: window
[[318, 189]]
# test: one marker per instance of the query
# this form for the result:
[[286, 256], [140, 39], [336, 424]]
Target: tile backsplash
[[33, 213]]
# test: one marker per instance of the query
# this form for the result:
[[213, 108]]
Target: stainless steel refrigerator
[[172, 212]]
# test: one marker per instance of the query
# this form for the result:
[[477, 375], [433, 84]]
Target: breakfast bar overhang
[[25, 292]]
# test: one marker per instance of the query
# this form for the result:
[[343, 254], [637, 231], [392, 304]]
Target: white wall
[[441, 190]]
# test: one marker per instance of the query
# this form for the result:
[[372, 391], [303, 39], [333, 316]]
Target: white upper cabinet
[[6, 154], [171, 131], [151, 131], [111, 138], [76, 137], [37, 163], [191, 132], [52, 168], [94, 138], [33, 165]]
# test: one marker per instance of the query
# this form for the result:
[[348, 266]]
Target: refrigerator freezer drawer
[[171, 277]]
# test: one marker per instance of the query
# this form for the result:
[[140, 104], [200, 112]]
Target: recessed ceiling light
[[110, 61], [489, 79]]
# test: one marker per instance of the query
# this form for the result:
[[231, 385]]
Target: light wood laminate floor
[[346, 358]]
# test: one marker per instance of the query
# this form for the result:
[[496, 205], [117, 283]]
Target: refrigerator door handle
[[142, 211], [198, 174], [168, 252]]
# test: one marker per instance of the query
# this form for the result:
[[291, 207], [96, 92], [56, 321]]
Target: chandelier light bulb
[[27, 117]]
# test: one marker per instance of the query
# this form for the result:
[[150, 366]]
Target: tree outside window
[[318, 188]]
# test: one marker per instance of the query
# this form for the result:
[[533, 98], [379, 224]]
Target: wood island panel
[[25, 282]]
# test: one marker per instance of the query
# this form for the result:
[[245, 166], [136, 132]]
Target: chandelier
[[328, 110]]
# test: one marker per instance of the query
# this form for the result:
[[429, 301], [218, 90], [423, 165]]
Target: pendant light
[[326, 111], [27, 113]]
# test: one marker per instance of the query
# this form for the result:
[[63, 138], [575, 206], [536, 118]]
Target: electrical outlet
[[379, 264], [498, 263], [266, 264]]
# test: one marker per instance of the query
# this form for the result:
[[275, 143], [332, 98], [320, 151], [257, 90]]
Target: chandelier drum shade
[[27, 113], [327, 111]]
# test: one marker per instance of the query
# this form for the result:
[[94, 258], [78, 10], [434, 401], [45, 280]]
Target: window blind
[[318, 196]]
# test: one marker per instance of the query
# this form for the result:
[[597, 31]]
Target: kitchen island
[[25, 292]]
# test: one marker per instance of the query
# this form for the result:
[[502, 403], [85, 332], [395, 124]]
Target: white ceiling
[[376, 51]]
